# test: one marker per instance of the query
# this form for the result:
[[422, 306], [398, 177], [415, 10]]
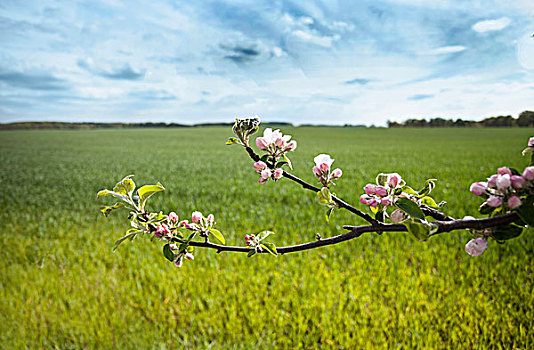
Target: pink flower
[[528, 174], [478, 188], [324, 167], [476, 246], [178, 262], [381, 191], [172, 217], [364, 199], [373, 202], [261, 180], [247, 238], [370, 189], [531, 142], [184, 223], [292, 145], [492, 181], [393, 180], [162, 230], [266, 173], [278, 173], [210, 218], [196, 217], [397, 216], [262, 143], [189, 256], [494, 201], [503, 171], [259, 166], [385, 201], [503, 181], [514, 202], [316, 171], [336, 173], [517, 181]]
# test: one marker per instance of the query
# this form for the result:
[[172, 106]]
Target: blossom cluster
[[266, 173], [253, 241], [323, 164], [382, 195], [506, 187], [275, 142]]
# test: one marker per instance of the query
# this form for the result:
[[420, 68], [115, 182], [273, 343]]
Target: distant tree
[[526, 119]]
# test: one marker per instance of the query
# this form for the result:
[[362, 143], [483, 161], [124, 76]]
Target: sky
[[304, 62]]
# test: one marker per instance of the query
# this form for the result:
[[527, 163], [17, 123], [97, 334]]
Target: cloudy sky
[[336, 62]]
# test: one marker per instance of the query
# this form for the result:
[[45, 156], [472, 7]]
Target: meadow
[[61, 286]]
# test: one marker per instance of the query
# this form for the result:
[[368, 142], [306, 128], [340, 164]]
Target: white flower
[[476, 246], [323, 159]]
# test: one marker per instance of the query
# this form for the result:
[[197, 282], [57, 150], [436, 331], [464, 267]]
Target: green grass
[[62, 287]]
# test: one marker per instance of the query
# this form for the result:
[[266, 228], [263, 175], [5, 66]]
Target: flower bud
[[266, 173], [324, 167], [172, 217], [259, 166], [492, 181], [478, 188], [393, 180], [476, 246], [514, 202], [370, 189], [247, 238], [292, 145], [184, 223], [178, 262], [504, 170], [336, 173], [279, 142], [381, 191], [316, 171], [196, 217], [517, 181], [261, 180], [278, 173], [528, 174], [262, 143], [373, 202], [494, 201], [385, 201], [210, 218], [531, 142], [189, 256], [364, 199], [162, 230], [397, 216], [503, 181]]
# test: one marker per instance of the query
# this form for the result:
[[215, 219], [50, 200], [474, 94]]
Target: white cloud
[[325, 41], [448, 49], [491, 25]]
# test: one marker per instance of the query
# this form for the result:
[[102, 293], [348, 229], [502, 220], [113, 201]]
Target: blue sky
[[333, 62]]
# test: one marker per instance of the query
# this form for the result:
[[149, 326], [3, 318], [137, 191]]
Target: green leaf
[[264, 234], [107, 210], [409, 190], [125, 187], [506, 232], [168, 252], [382, 179], [280, 164], [265, 158], [526, 211], [288, 162], [328, 213], [251, 252], [217, 234], [514, 171], [418, 229], [105, 193], [231, 141], [131, 233], [146, 191], [411, 208], [374, 210], [379, 216], [429, 201], [324, 196], [270, 248]]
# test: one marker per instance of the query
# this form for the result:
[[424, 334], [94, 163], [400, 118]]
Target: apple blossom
[[196, 216], [210, 218], [494, 201], [336, 173], [316, 171], [381, 191], [266, 173], [162, 230], [370, 189], [185, 224], [503, 182], [492, 181], [528, 173], [517, 181], [385, 201], [478, 188], [323, 159], [514, 202], [172, 217], [504, 170], [259, 166], [531, 142], [278, 173], [393, 180], [189, 256], [476, 246], [397, 216], [292, 145], [262, 143]]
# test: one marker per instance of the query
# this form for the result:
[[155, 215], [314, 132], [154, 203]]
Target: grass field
[[62, 287]]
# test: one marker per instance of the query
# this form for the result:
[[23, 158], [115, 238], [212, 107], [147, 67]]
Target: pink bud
[[172, 217], [211, 218], [316, 171], [478, 188], [393, 180], [336, 173], [292, 145], [385, 201], [370, 189], [397, 216], [528, 174], [278, 173], [259, 166], [196, 217], [381, 191], [247, 237], [279, 142], [261, 180], [262, 143], [324, 167], [373, 202], [531, 142], [162, 230], [494, 201], [517, 181], [266, 173], [514, 202], [492, 181], [178, 262], [184, 223], [189, 256], [476, 246], [503, 181], [503, 171], [364, 199]]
